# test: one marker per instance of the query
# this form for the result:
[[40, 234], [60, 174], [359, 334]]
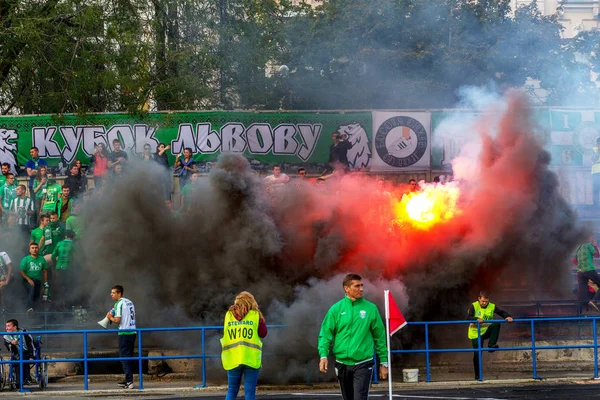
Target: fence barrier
[[203, 355]]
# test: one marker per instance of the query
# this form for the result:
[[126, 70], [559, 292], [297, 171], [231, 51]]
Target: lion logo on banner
[[8, 149], [360, 153]]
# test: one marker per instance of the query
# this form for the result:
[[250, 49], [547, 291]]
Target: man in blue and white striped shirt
[[123, 313]]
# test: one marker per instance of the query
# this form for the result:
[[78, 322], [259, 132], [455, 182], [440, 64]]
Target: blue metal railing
[[139, 358], [427, 350], [533, 348]]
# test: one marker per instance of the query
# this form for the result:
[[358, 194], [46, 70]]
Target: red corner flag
[[393, 314]]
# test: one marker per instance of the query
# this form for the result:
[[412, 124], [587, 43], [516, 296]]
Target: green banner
[[300, 139]]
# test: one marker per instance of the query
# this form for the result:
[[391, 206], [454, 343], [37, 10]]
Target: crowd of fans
[[44, 214], [40, 220]]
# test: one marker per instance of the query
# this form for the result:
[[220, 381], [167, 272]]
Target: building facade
[[574, 15]]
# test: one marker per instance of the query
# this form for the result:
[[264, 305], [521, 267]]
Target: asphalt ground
[[564, 388]]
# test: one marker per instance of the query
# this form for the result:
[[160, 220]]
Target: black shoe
[[28, 382], [492, 346], [122, 383]]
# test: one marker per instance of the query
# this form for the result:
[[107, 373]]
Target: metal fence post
[[21, 339], [533, 356], [203, 359], [427, 366], [85, 363], [140, 372], [480, 351], [595, 331]]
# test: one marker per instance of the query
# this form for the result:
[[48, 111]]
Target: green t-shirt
[[40, 193], [74, 224], [585, 257], [36, 235], [33, 267], [2, 180], [187, 193], [63, 254], [8, 194], [53, 192]]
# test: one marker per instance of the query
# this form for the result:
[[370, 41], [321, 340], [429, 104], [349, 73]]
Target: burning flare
[[428, 207]]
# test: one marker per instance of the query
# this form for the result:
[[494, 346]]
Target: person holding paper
[[354, 326]]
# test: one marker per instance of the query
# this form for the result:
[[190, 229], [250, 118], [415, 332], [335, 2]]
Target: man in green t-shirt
[[62, 273], [5, 168], [189, 194], [8, 192], [38, 235], [34, 271], [74, 221], [587, 271], [53, 192]]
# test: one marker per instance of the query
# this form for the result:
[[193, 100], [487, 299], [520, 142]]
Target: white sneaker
[[128, 385]]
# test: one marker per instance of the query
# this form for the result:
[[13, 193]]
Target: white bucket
[[410, 375]]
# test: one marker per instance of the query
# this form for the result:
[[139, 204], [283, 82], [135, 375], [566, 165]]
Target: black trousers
[[492, 334], [355, 380], [126, 344], [582, 283]]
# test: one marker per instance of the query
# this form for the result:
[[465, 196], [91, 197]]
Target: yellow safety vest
[[240, 343], [483, 313]]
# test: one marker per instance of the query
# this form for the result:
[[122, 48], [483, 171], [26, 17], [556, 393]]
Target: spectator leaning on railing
[[32, 166]]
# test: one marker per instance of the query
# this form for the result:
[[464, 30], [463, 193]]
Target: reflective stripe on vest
[[241, 344], [483, 313]]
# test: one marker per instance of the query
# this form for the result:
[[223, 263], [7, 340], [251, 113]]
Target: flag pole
[[387, 331]]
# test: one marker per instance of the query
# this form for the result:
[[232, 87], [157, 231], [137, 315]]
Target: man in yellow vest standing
[[241, 344], [482, 310]]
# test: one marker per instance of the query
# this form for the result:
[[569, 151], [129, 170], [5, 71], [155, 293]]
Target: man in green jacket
[[353, 325]]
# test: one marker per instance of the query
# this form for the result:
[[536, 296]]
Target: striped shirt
[[19, 206], [124, 308], [4, 261]]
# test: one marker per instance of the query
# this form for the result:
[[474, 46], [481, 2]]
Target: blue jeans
[[33, 292], [234, 379], [126, 345]]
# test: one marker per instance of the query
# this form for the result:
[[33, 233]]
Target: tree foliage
[[59, 56]]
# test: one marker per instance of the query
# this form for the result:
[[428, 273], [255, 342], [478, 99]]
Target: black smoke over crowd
[[292, 254]]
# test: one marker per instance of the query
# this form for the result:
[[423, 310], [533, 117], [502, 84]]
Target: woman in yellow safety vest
[[241, 354]]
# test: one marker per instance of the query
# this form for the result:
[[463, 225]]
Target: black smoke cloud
[[292, 254]]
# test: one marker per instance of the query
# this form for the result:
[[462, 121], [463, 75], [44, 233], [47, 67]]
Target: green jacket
[[353, 328]]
